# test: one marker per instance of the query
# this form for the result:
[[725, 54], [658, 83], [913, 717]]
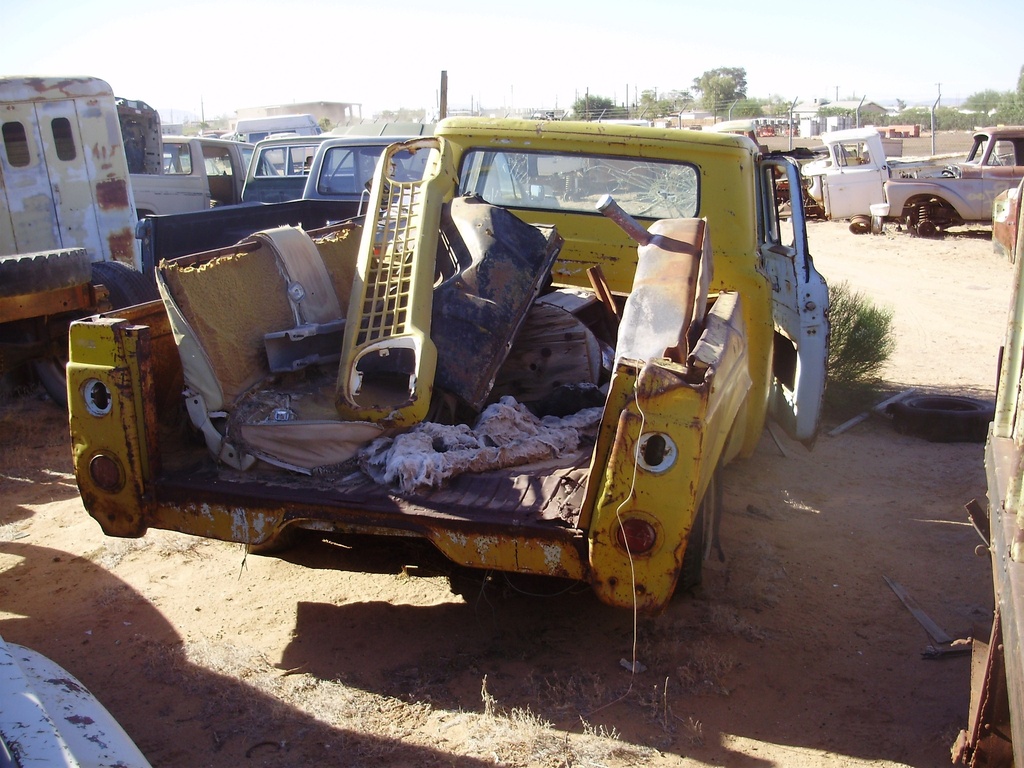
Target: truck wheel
[[24, 273], [127, 286], [53, 378], [942, 418], [860, 225], [701, 538]]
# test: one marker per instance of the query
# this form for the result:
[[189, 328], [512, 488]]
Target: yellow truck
[[535, 354]]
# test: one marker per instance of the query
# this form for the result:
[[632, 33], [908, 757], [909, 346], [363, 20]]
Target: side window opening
[[16, 144], [177, 159], [63, 138]]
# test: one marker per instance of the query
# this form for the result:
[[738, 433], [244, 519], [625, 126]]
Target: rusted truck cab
[[966, 191], [995, 726], [487, 291]]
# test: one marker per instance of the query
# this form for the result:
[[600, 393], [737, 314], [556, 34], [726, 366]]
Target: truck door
[[32, 223], [74, 175], [799, 307], [855, 180]]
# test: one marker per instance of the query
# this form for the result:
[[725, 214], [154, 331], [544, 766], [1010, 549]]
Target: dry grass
[[21, 436], [162, 543], [218, 674]]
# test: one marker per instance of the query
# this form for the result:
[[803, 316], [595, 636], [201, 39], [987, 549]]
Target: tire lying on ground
[[942, 418]]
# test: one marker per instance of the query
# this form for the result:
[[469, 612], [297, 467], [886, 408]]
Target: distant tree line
[[723, 92]]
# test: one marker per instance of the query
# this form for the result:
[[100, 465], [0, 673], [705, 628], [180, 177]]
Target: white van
[[253, 129]]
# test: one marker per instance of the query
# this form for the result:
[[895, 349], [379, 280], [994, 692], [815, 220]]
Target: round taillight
[[636, 535], [106, 473], [98, 400], [656, 452]]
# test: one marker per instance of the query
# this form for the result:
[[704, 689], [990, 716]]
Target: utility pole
[[442, 107]]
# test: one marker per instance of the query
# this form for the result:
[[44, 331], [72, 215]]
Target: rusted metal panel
[[49, 718], [78, 297], [499, 266], [69, 186]]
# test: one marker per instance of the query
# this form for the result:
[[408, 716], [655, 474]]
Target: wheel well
[[936, 203]]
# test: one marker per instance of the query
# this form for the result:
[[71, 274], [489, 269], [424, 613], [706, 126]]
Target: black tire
[[942, 418], [126, 286], [52, 376], [24, 273], [701, 537]]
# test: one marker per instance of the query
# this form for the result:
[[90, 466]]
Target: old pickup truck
[[486, 361], [856, 178], [177, 174], [994, 735]]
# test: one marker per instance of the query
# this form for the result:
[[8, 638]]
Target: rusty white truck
[[535, 354], [856, 180], [67, 221]]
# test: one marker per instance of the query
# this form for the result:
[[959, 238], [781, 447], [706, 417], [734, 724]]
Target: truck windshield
[[555, 181], [346, 170]]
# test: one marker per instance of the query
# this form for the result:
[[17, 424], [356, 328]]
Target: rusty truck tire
[[24, 273], [942, 418], [702, 536]]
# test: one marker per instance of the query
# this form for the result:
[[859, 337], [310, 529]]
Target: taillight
[[98, 399], [636, 535], [106, 473]]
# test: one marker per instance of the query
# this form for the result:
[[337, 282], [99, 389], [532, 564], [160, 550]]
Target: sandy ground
[[795, 652]]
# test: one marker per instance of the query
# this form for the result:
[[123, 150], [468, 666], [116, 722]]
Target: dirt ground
[[795, 652]]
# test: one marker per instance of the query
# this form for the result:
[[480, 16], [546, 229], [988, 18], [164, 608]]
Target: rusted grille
[[389, 279]]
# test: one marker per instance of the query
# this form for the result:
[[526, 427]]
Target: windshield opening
[[575, 182]]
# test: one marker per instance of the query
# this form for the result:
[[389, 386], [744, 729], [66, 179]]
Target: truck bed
[[168, 237]]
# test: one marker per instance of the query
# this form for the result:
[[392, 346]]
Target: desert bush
[[861, 342]]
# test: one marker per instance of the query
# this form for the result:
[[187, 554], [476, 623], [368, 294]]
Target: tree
[[594, 107], [985, 102], [720, 87], [670, 103]]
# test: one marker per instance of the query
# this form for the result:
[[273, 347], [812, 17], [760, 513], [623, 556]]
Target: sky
[[195, 60]]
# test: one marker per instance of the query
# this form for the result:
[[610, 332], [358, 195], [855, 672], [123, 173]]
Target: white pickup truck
[[856, 175], [178, 174], [197, 172]]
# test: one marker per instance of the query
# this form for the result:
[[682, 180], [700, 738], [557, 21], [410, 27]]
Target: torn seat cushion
[[221, 310], [219, 313], [664, 310]]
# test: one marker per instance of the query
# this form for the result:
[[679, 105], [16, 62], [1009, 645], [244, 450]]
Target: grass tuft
[[860, 344]]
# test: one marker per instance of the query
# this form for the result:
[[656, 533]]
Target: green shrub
[[861, 343]]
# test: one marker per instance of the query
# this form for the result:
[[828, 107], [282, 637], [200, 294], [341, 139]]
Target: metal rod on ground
[[937, 633], [876, 409]]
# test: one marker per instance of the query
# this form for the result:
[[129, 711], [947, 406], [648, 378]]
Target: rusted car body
[[995, 726], [485, 361], [1005, 215]]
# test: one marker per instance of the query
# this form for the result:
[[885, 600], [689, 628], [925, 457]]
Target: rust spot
[[112, 193], [121, 245]]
